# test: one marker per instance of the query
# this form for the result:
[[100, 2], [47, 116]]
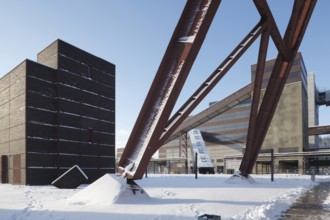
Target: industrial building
[[226, 132], [56, 113]]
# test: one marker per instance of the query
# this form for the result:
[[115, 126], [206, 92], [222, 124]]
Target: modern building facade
[[313, 109], [225, 135], [56, 113], [288, 131]]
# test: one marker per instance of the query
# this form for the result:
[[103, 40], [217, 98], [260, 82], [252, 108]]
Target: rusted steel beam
[[211, 81], [301, 14], [167, 84], [257, 84], [294, 18], [305, 10], [266, 13], [317, 130]]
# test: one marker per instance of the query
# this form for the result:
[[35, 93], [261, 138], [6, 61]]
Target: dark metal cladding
[[70, 117], [168, 82]]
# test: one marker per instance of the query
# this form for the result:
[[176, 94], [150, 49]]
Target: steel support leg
[[165, 89], [301, 14]]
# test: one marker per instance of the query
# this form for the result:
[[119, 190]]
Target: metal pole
[[272, 164], [313, 175], [195, 164]]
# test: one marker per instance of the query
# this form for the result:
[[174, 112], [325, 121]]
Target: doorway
[[289, 166], [4, 169]]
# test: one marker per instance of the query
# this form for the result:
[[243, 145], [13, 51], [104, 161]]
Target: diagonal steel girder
[[265, 12], [301, 14], [166, 86], [153, 125], [257, 84], [212, 81]]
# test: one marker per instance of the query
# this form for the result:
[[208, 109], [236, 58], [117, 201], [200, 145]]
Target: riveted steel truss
[[155, 123]]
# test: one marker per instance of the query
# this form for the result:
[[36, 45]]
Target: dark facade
[[67, 116]]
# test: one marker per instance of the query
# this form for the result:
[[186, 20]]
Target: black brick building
[[56, 113]]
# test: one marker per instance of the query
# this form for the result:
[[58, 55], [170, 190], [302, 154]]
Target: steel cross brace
[[260, 121], [154, 124]]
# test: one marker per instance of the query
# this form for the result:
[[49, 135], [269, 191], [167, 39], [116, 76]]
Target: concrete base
[[237, 178], [110, 188]]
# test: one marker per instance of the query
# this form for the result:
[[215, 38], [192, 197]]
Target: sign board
[[198, 146]]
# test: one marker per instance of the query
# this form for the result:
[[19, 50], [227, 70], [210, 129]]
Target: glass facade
[[229, 127]]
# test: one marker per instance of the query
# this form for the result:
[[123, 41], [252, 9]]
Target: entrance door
[[4, 169], [289, 166]]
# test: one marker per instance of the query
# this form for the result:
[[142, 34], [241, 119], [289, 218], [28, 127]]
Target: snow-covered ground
[[165, 197]]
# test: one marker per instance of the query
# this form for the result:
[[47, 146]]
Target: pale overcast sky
[[134, 35]]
